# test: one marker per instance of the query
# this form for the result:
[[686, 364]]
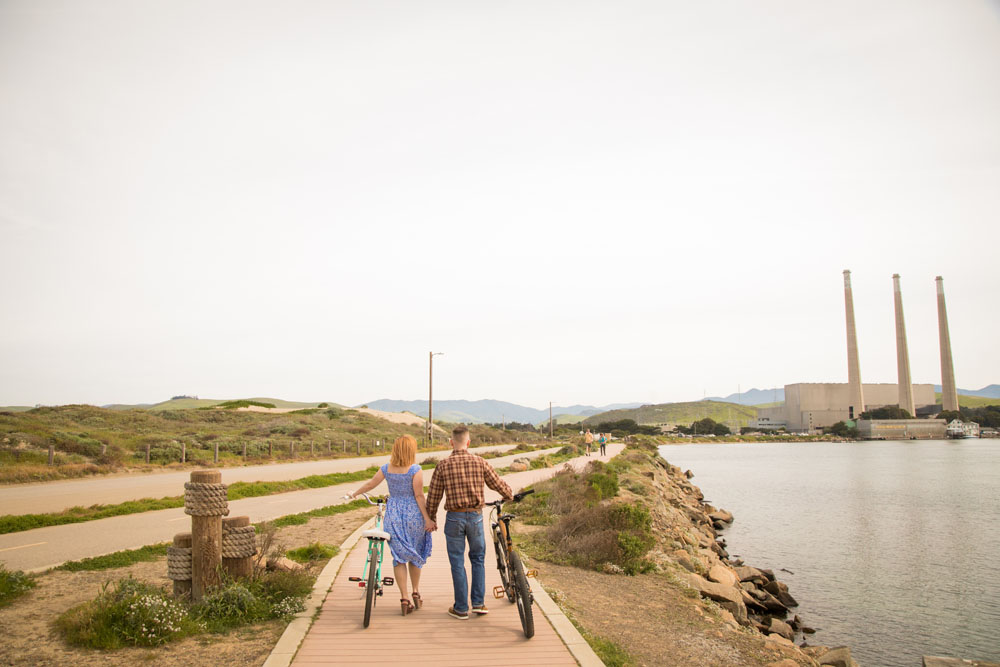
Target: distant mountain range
[[752, 397], [989, 391], [490, 411]]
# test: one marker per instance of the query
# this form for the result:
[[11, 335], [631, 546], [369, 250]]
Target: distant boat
[[958, 429]]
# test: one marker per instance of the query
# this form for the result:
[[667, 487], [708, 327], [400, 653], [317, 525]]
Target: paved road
[[429, 636], [63, 494], [42, 548]]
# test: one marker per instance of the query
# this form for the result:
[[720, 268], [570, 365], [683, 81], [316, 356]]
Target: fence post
[[270, 450], [104, 449], [182, 587], [184, 452], [312, 448], [244, 449], [291, 449], [345, 445], [359, 446], [329, 446], [147, 452], [215, 453], [52, 454]]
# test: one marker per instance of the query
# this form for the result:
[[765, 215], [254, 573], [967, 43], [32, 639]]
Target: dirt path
[[29, 639]]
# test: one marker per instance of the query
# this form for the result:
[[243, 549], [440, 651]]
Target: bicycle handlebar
[[378, 499], [518, 497]]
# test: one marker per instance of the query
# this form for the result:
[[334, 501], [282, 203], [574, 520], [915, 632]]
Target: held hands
[[430, 526]]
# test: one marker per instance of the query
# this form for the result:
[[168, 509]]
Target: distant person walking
[[603, 441], [459, 479], [406, 517], [588, 440]]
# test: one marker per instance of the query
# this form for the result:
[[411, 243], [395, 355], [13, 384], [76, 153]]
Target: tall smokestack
[[856, 397], [949, 392], [902, 352]]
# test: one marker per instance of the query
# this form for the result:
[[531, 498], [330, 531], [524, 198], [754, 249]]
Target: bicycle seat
[[376, 534]]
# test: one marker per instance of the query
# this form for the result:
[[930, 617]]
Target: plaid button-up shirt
[[460, 479]]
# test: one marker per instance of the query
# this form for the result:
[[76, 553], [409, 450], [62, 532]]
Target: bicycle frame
[[376, 547]]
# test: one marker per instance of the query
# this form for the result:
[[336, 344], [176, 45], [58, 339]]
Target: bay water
[[891, 548]]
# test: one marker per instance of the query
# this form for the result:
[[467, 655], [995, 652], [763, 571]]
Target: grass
[[971, 401], [117, 559], [13, 584], [311, 553], [329, 510], [135, 613], [610, 653]]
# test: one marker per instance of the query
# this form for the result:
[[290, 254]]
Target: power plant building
[[812, 406]]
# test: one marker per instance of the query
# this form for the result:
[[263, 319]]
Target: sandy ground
[[651, 619], [28, 637]]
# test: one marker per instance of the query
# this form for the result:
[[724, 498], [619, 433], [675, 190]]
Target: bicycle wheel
[[523, 596], [371, 584], [501, 550]]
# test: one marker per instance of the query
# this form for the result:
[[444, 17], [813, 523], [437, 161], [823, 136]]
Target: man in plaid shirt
[[460, 479]]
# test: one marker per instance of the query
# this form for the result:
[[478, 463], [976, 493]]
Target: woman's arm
[[418, 493], [370, 484]]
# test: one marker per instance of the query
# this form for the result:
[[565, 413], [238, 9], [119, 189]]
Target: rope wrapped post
[[179, 564], [205, 500], [239, 545]]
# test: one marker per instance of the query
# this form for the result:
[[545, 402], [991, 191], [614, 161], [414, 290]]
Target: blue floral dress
[[410, 543]]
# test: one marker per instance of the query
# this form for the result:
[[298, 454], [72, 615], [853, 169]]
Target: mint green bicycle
[[371, 578]]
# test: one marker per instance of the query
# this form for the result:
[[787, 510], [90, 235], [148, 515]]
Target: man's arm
[[435, 493], [494, 482]]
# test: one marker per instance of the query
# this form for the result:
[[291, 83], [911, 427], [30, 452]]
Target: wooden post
[[52, 455], [312, 448], [182, 588], [238, 568], [291, 449], [184, 448], [244, 449], [270, 450], [104, 449], [359, 446], [329, 446], [147, 452], [206, 542], [215, 453], [345, 445]]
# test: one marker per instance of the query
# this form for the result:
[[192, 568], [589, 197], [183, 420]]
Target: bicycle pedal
[[499, 593], [354, 578], [388, 581], [531, 573]]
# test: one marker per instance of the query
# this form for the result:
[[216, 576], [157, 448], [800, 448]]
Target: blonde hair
[[404, 451]]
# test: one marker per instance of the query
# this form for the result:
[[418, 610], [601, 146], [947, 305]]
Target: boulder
[[722, 575], [779, 627], [747, 573], [772, 604], [283, 564], [729, 598], [836, 657], [520, 465], [721, 515], [787, 662], [683, 559], [768, 574], [688, 474], [780, 591], [815, 651]]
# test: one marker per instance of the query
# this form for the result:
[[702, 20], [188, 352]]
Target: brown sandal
[[418, 601], [406, 606]]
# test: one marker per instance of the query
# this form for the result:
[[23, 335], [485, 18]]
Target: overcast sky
[[583, 202]]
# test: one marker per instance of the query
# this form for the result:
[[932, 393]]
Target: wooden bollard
[[182, 588], [52, 454], [237, 567], [206, 542]]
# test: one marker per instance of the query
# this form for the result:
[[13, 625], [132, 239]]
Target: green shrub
[[13, 584], [132, 613], [313, 552], [232, 605]]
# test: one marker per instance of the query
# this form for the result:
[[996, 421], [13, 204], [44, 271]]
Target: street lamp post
[[430, 397]]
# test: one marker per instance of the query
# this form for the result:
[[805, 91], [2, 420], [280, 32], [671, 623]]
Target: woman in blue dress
[[406, 518]]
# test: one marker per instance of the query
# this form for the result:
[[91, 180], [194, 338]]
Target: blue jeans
[[459, 527]]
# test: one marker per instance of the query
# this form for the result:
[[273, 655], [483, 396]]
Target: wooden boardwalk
[[430, 636]]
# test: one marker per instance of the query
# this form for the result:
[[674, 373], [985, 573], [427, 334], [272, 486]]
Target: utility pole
[[430, 397], [550, 419]]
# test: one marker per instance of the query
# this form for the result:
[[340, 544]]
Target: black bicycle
[[515, 580]]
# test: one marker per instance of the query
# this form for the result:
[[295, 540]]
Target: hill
[[989, 391], [488, 410], [966, 401], [678, 413], [753, 397]]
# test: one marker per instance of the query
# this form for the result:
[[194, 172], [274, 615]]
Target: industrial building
[[813, 406]]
